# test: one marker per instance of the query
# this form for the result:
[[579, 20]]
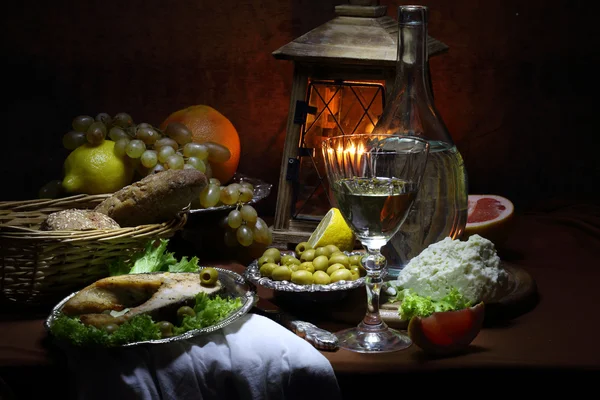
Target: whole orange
[[209, 125]]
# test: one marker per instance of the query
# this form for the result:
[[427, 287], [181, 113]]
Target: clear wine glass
[[374, 180]]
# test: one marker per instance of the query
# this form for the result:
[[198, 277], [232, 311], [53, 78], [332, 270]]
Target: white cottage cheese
[[471, 266]]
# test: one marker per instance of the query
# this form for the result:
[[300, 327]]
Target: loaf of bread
[[77, 220], [154, 199]]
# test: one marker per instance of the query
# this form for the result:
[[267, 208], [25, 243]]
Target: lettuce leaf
[[185, 266], [153, 258], [118, 267], [209, 311], [71, 329], [414, 305], [453, 301], [137, 329]]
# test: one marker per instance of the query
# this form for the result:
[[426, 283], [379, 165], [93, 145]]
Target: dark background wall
[[517, 88]]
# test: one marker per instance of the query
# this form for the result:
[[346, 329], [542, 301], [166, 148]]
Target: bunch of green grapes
[[151, 149], [242, 225]]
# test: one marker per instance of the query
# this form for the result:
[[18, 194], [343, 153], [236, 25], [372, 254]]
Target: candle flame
[[352, 153]]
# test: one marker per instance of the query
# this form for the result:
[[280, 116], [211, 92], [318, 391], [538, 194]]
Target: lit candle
[[351, 155]]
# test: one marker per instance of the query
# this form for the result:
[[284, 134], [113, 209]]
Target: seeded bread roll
[[155, 199], [77, 220]]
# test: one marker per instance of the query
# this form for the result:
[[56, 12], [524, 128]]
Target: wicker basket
[[38, 267]]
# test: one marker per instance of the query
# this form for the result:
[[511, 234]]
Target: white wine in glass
[[375, 179]]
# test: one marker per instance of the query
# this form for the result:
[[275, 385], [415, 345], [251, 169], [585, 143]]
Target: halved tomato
[[447, 332]]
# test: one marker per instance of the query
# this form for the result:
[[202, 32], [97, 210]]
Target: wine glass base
[[363, 340]]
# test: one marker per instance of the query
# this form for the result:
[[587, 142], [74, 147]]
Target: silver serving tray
[[234, 285], [261, 191], [252, 274]]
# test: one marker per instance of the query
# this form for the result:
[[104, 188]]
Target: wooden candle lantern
[[343, 70]]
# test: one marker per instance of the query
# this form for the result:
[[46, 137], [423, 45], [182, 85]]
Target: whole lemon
[[95, 169]]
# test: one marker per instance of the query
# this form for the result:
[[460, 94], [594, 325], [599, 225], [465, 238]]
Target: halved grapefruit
[[449, 332], [489, 216]]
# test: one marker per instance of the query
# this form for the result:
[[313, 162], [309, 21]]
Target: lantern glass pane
[[340, 108]]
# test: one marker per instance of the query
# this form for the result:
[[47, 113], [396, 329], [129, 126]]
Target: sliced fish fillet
[[141, 293]]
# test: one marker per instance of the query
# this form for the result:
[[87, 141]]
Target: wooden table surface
[[553, 334]]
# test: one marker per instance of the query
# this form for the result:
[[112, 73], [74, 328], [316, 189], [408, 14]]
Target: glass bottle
[[440, 209]]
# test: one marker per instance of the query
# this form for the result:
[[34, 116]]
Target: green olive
[[281, 273], [302, 247], [307, 266], [332, 248], [265, 259], [111, 328], [341, 275], [355, 274], [359, 270], [322, 251], [308, 255], [339, 259], [321, 263], [209, 276], [355, 259], [294, 267], [334, 268], [321, 278], [185, 310], [335, 253], [267, 269], [302, 277], [166, 328], [274, 253], [289, 259]]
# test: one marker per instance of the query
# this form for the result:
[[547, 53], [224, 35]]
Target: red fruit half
[[447, 332], [489, 216]]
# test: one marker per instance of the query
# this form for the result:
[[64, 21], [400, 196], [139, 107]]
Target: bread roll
[[155, 199], [77, 220]]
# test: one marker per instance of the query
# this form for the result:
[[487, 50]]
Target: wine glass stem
[[374, 263]]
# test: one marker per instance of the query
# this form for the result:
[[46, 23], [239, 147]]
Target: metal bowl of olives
[[312, 272]]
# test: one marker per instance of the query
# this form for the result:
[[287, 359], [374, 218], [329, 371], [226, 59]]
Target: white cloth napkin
[[252, 358]]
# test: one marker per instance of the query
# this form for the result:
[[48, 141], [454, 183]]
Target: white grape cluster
[[242, 225], [152, 149]]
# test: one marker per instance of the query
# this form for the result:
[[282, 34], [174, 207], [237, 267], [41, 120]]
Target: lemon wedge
[[333, 229]]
